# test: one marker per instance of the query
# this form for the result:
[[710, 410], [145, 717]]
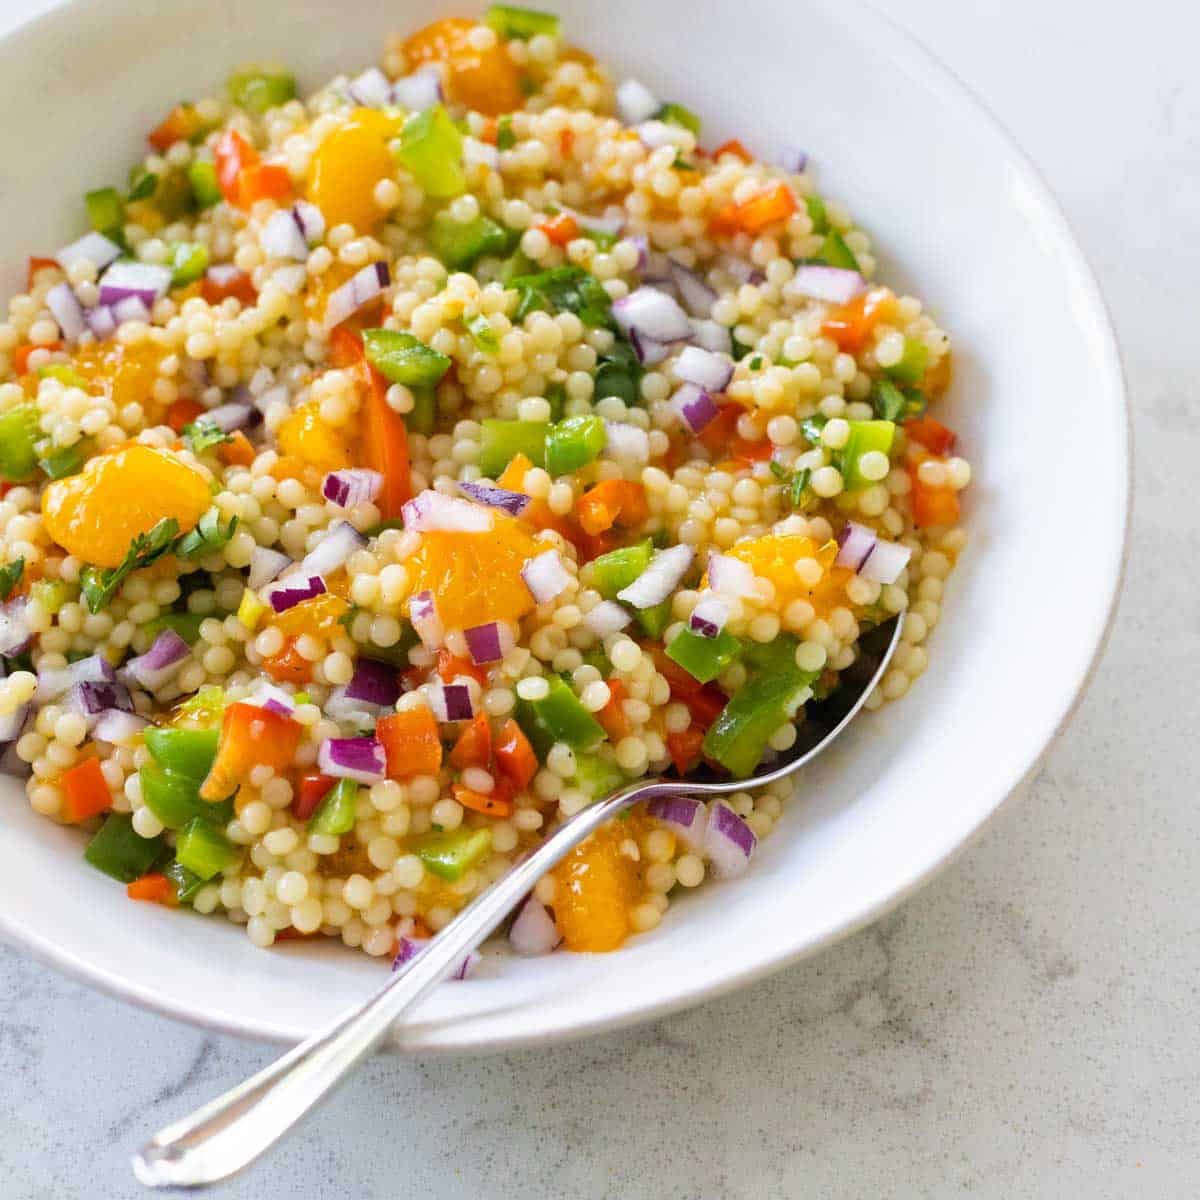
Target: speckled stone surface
[[1024, 1027]]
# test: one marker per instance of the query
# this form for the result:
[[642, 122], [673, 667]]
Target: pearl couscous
[[392, 472]]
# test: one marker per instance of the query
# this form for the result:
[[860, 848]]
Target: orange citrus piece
[[595, 887], [304, 435], [347, 167], [774, 557], [485, 80]]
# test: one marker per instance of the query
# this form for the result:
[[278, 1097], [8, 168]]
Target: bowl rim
[[897, 42]]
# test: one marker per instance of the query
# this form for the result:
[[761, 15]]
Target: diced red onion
[[607, 618], [656, 269], [626, 443], [710, 335], [15, 634], [728, 841], [708, 617], [855, 544], [654, 314], [92, 247], [367, 285], [12, 723], [687, 818], [65, 308], [101, 321], [434, 510], [265, 565], [793, 159], [695, 406], [371, 89], [642, 244], [160, 663], [117, 727], [731, 576], [132, 308], [52, 682], [533, 933], [488, 494], [264, 401], [451, 701], [425, 620], [545, 576], [885, 562], [228, 417], [273, 699], [332, 551], [667, 568], [359, 713], [698, 298], [649, 352], [374, 682], [739, 269], [294, 590], [355, 485], [93, 698], [359, 758], [835, 285], [409, 947], [636, 102], [309, 220], [146, 281], [484, 643], [12, 727], [420, 90], [656, 134], [480, 154], [709, 371], [612, 224], [282, 237]]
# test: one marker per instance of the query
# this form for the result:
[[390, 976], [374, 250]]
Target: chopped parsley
[[142, 184], [794, 483], [892, 402], [564, 289], [100, 585], [505, 138], [10, 576], [203, 434], [482, 334], [208, 535]]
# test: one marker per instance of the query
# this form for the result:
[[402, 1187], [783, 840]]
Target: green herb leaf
[[505, 138], [100, 585], [208, 535], [810, 429], [676, 114], [482, 334], [142, 184], [203, 434], [10, 576], [682, 164], [887, 400], [564, 289]]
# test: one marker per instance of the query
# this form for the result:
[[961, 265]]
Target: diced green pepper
[[912, 364], [888, 400], [401, 358], [173, 196], [142, 183], [459, 244], [556, 397], [676, 114], [505, 138], [106, 211], [703, 658], [558, 717], [617, 569], [335, 814], [423, 416], [51, 594], [118, 850], [186, 752], [864, 436], [202, 178], [64, 374], [431, 150], [574, 443], [596, 775], [502, 441], [206, 706], [817, 214], [835, 253], [186, 624], [60, 461], [204, 849], [186, 883], [511, 21], [18, 455], [189, 261], [655, 620], [450, 855], [175, 799], [482, 333], [257, 90]]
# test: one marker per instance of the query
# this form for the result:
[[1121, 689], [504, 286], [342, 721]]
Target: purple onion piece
[[65, 308], [696, 295], [653, 314], [367, 285], [118, 728], [92, 247], [360, 758], [15, 634], [433, 510], [855, 543], [834, 285], [606, 618], [728, 841], [374, 682], [709, 616], [420, 90], [228, 417], [409, 947], [266, 565], [124, 280], [282, 237], [731, 576], [287, 594], [697, 408], [484, 642], [626, 443], [355, 485], [533, 933], [332, 551], [371, 89], [160, 663], [513, 503], [885, 562], [422, 612], [452, 702], [688, 819], [709, 371]]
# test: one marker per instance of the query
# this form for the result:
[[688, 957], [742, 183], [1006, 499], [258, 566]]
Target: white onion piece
[[65, 308], [698, 298], [885, 562], [731, 576], [332, 551], [606, 618], [371, 89], [92, 247], [101, 321], [855, 543], [636, 102], [728, 840], [626, 443], [656, 134], [266, 565], [360, 289], [653, 314], [310, 220], [434, 510], [533, 933], [835, 285], [709, 616], [132, 308], [545, 576], [660, 578], [709, 335], [480, 154], [420, 90], [705, 369], [117, 727], [281, 237]]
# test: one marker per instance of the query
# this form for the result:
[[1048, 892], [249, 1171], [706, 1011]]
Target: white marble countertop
[[1024, 1027]]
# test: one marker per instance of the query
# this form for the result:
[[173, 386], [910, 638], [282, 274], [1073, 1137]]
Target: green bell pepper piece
[[556, 397], [482, 334], [106, 211], [18, 455], [189, 261], [558, 717], [911, 367], [202, 177], [118, 850], [186, 624], [676, 114], [864, 436], [186, 752], [423, 416], [511, 21], [574, 443], [817, 214], [450, 855], [64, 374], [655, 620], [401, 358], [505, 138], [257, 91], [175, 799], [617, 569], [460, 244], [502, 441], [835, 253], [598, 776], [187, 883], [51, 594], [61, 461], [142, 183], [204, 849], [431, 149], [336, 813], [703, 658]]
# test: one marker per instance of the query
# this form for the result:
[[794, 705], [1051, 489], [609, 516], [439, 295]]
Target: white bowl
[[961, 219]]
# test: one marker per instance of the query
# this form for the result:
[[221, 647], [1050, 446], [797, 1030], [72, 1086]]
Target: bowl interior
[[959, 218]]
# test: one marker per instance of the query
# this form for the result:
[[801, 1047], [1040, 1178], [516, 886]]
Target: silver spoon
[[229, 1133]]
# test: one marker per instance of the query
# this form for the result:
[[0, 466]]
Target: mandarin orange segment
[[774, 557], [318, 616], [475, 577], [126, 374], [595, 887], [348, 166], [97, 513], [485, 80], [304, 435]]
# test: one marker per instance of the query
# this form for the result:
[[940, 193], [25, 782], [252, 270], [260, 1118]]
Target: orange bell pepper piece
[[752, 216], [851, 324], [237, 285], [35, 265], [612, 716], [156, 888], [289, 665], [385, 446], [474, 745], [232, 154], [237, 452], [560, 229], [612, 501], [932, 505], [684, 748], [720, 437], [411, 742], [310, 791], [181, 124], [21, 354], [566, 142], [251, 736], [490, 131], [513, 476], [345, 347], [183, 412], [515, 756], [264, 181], [733, 146], [931, 434], [449, 666], [85, 792], [492, 804]]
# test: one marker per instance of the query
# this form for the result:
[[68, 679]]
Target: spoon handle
[[230, 1132]]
